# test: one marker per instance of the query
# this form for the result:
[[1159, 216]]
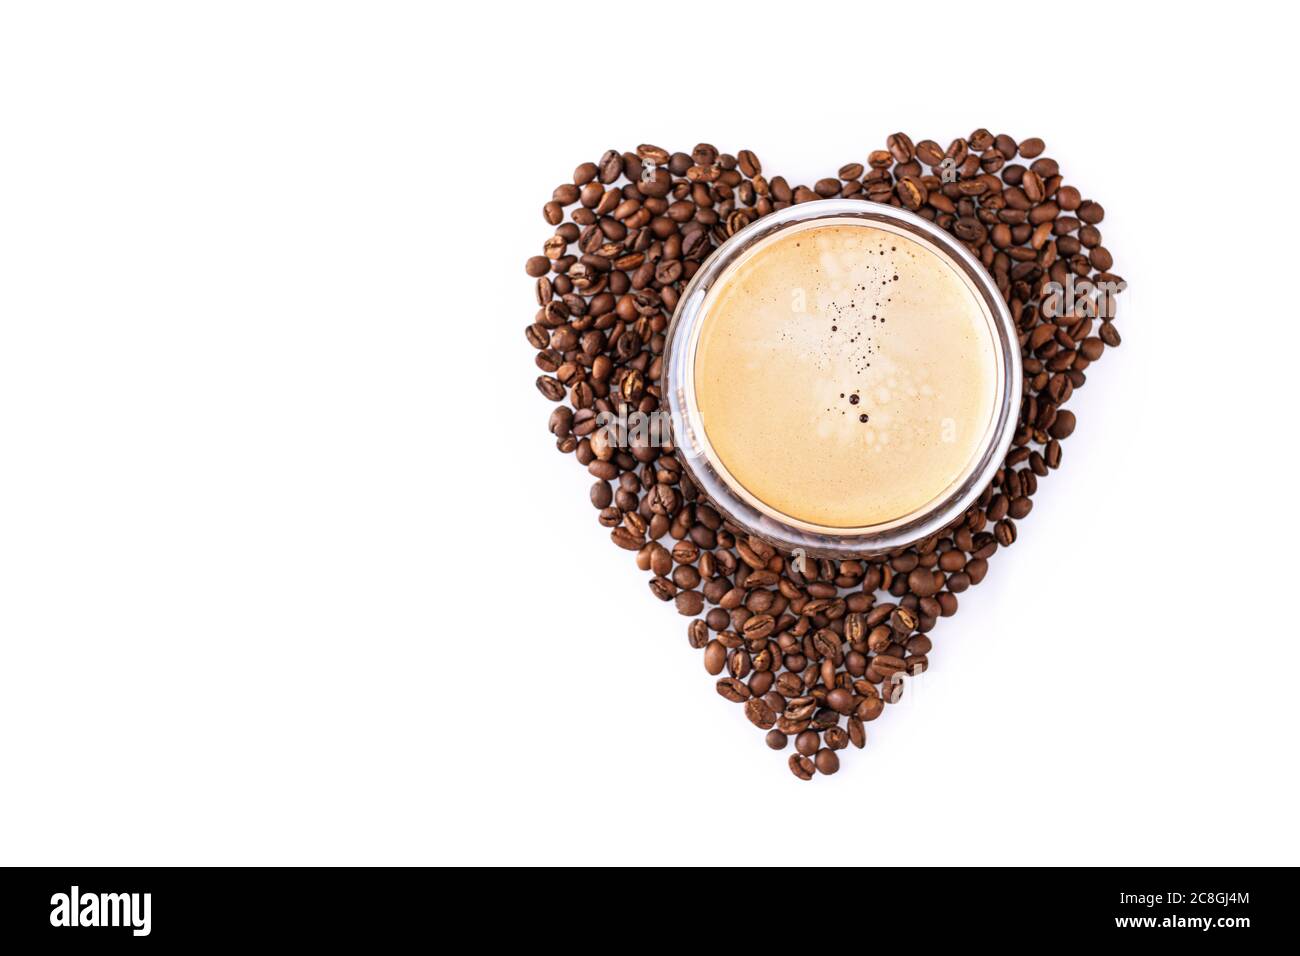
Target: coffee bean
[[887, 664], [733, 690], [892, 689], [807, 743], [879, 639], [802, 767], [689, 603], [565, 194], [1032, 184], [611, 167], [627, 539], [911, 192], [652, 154], [800, 708], [869, 709], [715, 657], [1029, 148], [663, 589], [922, 583], [841, 701], [902, 620], [900, 147], [879, 159], [929, 152], [1091, 212], [776, 740], [1063, 425], [827, 762], [760, 714], [837, 738]]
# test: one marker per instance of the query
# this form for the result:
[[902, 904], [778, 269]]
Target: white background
[[290, 571]]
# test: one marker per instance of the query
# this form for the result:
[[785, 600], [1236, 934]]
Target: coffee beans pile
[[811, 653]]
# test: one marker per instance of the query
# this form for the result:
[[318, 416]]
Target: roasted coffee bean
[[922, 582], [734, 690], [760, 714], [902, 620], [663, 589], [837, 738], [739, 663], [1091, 212], [887, 664], [912, 192], [807, 743], [802, 767], [690, 603], [715, 657], [611, 167], [827, 762], [1029, 148], [869, 709], [929, 152], [1063, 424], [801, 708], [652, 154], [879, 639], [686, 577], [629, 540], [900, 147], [841, 700], [892, 689]]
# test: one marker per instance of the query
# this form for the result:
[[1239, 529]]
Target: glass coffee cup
[[807, 418]]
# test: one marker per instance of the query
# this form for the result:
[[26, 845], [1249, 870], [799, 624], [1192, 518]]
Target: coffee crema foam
[[845, 375]]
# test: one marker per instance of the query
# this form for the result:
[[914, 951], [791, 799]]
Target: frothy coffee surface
[[845, 375]]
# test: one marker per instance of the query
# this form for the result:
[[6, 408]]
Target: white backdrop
[[291, 572]]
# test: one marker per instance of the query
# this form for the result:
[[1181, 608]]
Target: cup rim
[[676, 385]]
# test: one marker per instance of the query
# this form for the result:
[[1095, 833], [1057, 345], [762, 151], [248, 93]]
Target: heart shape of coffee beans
[[815, 653]]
